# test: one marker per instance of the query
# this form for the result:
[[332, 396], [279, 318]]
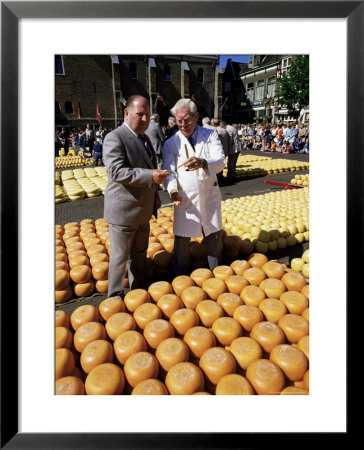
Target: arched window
[[200, 75], [132, 71], [167, 73], [68, 108]]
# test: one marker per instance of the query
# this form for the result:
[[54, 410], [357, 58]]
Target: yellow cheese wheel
[[84, 289], [69, 234], [252, 295], [200, 275], [74, 253], [201, 393], [226, 329], [294, 281], [268, 335], [135, 298], [222, 272], [139, 367], [168, 245], [118, 323], [88, 233], [199, 339], [266, 377], [157, 331], [294, 390], [169, 303], [303, 345], [234, 384], [60, 249], [184, 319], [81, 273], [236, 283], [170, 352], [79, 260], [208, 311], [110, 306], [295, 302], [180, 283], [62, 319], [90, 241], [62, 265], [306, 314], [86, 333], [272, 287], [294, 327], [61, 257], [248, 316], [83, 314], [105, 379], [192, 296], [291, 360], [163, 237], [63, 337], [229, 302], [159, 288], [75, 246], [150, 387], [254, 275], [273, 269], [272, 309], [64, 363], [70, 385], [63, 295], [100, 271], [216, 362], [128, 343], [240, 266], [257, 259], [184, 378], [102, 286], [62, 279], [306, 379], [87, 223], [98, 258], [245, 350], [214, 287], [59, 243], [96, 248], [153, 248], [146, 313], [305, 291], [95, 353]]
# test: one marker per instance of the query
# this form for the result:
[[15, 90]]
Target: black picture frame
[[11, 12]]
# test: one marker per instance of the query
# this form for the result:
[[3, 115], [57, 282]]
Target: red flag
[[193, 98], [160, 99], [98, 114]]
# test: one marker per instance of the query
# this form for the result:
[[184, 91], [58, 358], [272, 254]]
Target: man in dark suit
[[156, 136], [131, 196]]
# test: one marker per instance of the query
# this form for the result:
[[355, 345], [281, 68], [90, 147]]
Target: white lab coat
[[201, 198]]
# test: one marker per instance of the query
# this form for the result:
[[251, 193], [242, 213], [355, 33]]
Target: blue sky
[[237, 58]]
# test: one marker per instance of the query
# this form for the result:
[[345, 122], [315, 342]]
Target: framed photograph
[[31, 34]]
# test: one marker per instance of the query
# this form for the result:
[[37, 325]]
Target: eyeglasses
[[184, 121]]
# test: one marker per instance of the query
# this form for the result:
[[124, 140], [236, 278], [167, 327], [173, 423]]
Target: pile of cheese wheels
[[241, 329]]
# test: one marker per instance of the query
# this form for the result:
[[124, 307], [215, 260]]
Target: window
[[167, 72], [260, 90], [68, 108], [59, 69], [227, 86], [271, 86], [200, 75], [250, 91], [132, 71], [286, 65]]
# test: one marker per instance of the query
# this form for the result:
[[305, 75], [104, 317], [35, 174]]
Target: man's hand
[[194, 163], [176, 198], [159, 176]]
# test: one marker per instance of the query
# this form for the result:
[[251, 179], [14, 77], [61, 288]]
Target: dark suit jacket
[[130, 196], [155, 134]]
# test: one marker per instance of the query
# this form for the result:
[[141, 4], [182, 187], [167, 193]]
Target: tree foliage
[[294, 86]]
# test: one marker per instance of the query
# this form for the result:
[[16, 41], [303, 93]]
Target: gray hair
[[182, 103], [155, 117], [206, 120], [172, 119]]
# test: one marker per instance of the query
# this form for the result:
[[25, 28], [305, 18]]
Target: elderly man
[[193, 156], [131, 196], [206, 122], [156, 136]]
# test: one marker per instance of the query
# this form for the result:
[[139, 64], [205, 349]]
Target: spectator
[[172, 127], [234, 149], [97, 153], [206, 123], [89, 136], [157, 138]]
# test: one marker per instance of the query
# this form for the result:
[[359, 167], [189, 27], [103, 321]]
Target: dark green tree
[[294, 86]]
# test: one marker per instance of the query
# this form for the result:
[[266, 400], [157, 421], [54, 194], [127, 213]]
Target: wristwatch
[[204, 164]]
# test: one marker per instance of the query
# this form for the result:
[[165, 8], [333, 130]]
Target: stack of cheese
[[60, 195]]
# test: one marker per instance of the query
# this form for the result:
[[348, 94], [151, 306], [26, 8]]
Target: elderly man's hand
[[194, 163], [159, 176]]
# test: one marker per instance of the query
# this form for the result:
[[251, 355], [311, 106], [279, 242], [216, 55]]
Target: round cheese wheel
[[252, 295], [87, 223], [74, 253], [70, 385], [305, 291], [216, 362], [170, 352], [234, 384], [200, 275], [128, 343], [272, 309], [268, 335], [110, 306], [60, 249], [294, 327], [88, 233], [97, 248], [163, 237], [102, 286], [74, 224], [192, 296], [184, 378], [135, 298], [254, 275], [118, 323], [303, 345], [145, 313], [86, 333], [257, 259], [168, 245], [98, 258], [139, 367], [294, 281], [63, 295], [83, 314], [245, 350], [306, 379], [291, 360], [150, 387], [273, 269], [240, 266], [163, 260], [62, 265], [229, 302], [294, 390], [62, 319], [84, 289], [272, 287], [214, 287], [63, 337], [153, 248], [236, 283], [306, 314], [199, 339], [79, 260], [100, 271], [156, 231], [159, 288], [198, 251], [90, 241], [61, 257], [157, 331], [222, 272], [59, 243], [64, 363], [295, 302], [265, 376], [226, 329], [169, 303], [62, 279], [75, 246], [95, 353], [180, 283], [201, 393], [208, 311], [248, 316], [184, 319], [105, 379], [81, 274], [69, 234]]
